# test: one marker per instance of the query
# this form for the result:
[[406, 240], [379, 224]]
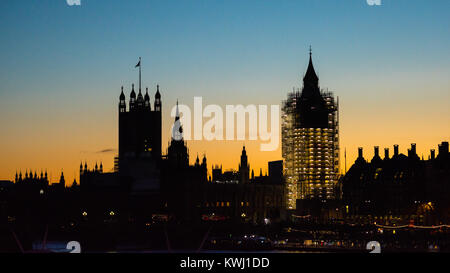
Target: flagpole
[[140, 65]]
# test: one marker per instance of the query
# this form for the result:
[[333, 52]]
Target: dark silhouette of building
[[145, 188], [181, 182], [177, 152], [244, 167], [32, 180], [276, 172], [96, 180], [140, 126], [140, 141], [37, 184], [227, 176], [5, 187], [402, 185], [233, 195]]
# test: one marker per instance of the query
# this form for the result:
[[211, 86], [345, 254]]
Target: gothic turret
[[122, 103], [147, 100], [132, 98], [62, 181], [197, 162], [157, 99], [204, 161], [140, 100], [244, 168]]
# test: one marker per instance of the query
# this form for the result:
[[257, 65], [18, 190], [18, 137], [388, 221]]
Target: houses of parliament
[[148, 183]]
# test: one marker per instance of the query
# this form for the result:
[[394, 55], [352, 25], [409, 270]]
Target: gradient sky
[[61, 68]]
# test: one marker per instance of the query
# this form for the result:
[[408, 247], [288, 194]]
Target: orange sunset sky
[[62, 68]]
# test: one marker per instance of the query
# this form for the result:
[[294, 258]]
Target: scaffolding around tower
[[311, 155]]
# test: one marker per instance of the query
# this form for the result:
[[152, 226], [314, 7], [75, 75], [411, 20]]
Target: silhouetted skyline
[[208, 126], [62, 68]]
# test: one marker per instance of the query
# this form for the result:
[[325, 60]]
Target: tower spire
[[310, 79], [177, 130], [177, 113]]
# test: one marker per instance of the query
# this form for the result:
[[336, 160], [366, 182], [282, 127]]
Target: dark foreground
[[218, 237]]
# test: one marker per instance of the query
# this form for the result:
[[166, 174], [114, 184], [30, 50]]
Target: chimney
[[376, 151], [432, 154], [386, 153], [413, 148], [360, 152], [396, 150]]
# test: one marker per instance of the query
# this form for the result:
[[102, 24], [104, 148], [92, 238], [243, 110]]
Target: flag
[[138, 64]]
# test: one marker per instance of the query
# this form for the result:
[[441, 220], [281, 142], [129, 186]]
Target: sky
[[61, 69]]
